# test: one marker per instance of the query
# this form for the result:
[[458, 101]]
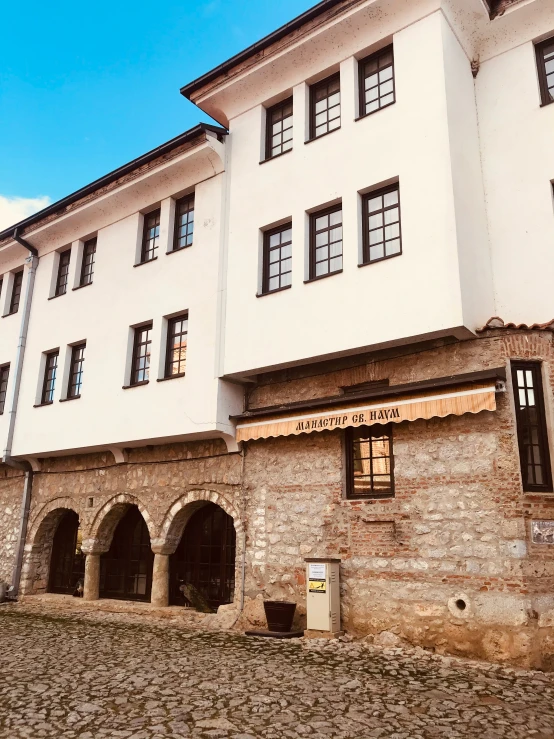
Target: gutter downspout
[[32, 261]]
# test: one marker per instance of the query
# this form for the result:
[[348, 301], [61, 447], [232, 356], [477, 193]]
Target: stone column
[[92, 577], [160, 581]]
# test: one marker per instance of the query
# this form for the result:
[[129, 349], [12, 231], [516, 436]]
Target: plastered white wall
[[414, 294], [121, 296], [517, 145]]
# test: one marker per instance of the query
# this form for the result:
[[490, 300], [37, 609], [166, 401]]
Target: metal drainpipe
[[32, 261]]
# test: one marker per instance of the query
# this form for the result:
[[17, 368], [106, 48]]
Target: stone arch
[[179, 514], [38, 550], [105, 522]]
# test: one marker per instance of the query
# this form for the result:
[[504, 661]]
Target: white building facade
[[317, 276]]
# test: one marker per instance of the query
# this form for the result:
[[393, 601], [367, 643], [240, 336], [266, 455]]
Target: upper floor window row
[[376, 90], [183, 229], [382, 239], [175, 358]]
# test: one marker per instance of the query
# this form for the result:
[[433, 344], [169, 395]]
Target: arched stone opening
[[126, 567], [215, 527], [36, 573], [202, 569], [67, 564]]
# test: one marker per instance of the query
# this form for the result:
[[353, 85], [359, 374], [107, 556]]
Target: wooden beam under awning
[[466, 398]]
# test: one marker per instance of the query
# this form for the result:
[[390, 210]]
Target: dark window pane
[[377, 88], [326, 242], [140, 370], [382, 232], [50, 372], [16, 291], [151, 236], [4, 376], [184, 222], [325, 106], [545, 64], [531, 427], [279, 129], [76, 371], [87, 265], [176, 351], [277, 259], [63, 272], [369, 461]]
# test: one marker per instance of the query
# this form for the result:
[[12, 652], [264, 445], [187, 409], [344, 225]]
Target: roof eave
[[107, 179]]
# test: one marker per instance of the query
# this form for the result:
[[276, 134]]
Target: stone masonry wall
[[11, 491], [458, 528]]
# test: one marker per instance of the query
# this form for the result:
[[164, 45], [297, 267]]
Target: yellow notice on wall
[[317, 586]]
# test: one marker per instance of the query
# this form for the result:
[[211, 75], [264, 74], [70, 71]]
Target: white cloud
[[13, 210]]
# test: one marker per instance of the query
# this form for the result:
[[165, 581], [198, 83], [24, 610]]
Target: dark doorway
[[205, 558], [126, 570], [67, 565]]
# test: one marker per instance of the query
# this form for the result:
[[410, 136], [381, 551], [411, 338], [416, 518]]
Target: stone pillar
[[160, 581], [92, 577]]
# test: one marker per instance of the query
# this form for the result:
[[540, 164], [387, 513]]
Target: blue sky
[[85, 88]]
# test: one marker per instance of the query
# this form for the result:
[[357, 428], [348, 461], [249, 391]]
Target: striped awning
[[454, 401]]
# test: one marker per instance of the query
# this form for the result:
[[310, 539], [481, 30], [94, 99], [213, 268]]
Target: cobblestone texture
[[115, 675]]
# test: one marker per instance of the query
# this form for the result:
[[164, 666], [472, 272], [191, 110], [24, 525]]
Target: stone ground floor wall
[[448, 563], [11, 492]]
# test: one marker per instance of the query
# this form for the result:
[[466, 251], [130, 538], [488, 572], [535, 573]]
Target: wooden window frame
[[313, 247], [49, 382], [87, 264], [76, 371], [313, 91], [169, 347], [267, 251], [349, 458], [148, 252], [62, 278], [542, 432], [137, 344], [189, 201], [366, 230], [4, 379], [17, 287], [547, 97], [362, 64], [269, 123]]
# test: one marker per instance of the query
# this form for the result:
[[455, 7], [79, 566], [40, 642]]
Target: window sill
[[356, 498], [40, 405], [13, 313], [173, 377], [53, 297], [88, 284], [381, 259], [135, 384], [545, 105], [270, 292], [276, 156], [176, 251], [367, 115], [65, 400], [316, 138], [540, 492], [148, 261], [322, 277]]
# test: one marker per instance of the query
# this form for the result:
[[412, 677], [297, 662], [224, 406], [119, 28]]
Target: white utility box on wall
[[323, 595]]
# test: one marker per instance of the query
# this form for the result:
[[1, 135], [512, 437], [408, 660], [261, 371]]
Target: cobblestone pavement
[[77, 676]]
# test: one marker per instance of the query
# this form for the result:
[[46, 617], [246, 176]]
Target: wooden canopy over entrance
[[457, 395]]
